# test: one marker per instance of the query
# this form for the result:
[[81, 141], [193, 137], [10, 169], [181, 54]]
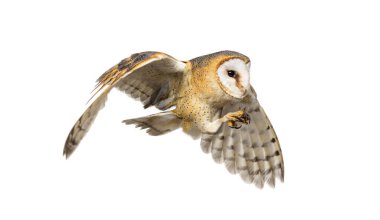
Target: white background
[[315, 67]]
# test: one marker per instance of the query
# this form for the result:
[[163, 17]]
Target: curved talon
[[245, 118], [236, 127], [233, 124]]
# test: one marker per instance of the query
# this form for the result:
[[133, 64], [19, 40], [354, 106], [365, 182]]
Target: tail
[[157, 124]]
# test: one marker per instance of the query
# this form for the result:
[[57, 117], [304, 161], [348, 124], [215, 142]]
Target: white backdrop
[[315, 67]]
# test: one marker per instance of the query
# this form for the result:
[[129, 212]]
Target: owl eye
[[231, 73]]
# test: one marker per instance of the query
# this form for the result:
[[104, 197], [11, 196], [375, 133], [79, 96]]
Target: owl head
[[226, 73], [233, 77]]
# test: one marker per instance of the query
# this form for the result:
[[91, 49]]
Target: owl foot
[[233, 124], [233, 119]]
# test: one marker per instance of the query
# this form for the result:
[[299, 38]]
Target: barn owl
[[208, 97]]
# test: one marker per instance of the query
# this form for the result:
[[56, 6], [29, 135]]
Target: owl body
[[209, 96], [201, 97]]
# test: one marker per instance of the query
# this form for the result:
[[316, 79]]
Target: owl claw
[[244, 118], [247, 118], [239, 116], [233, 124]]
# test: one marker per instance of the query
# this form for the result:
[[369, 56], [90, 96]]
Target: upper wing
[[151, 77], [253, 151]]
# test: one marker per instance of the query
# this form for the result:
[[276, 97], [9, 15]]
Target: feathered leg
[[157, 124]]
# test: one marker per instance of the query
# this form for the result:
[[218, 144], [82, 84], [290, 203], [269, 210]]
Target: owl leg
[[157, 124], [232, 119]]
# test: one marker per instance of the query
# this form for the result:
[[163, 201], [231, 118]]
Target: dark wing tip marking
[[71, 143], [70, 146]]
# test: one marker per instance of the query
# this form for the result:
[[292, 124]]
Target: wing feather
[[141, 76], [253, 151]]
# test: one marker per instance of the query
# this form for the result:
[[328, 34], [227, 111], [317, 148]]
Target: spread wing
[[150, 77], [253, 151]]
